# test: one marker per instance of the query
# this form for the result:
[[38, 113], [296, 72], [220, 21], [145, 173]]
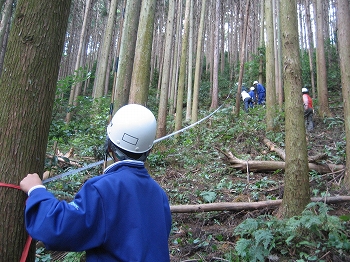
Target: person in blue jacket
[[253, 95], [121, 215], [261, 92]]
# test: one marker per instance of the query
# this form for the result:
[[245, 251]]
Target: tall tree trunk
[[297, 191], [261, 41], [322, 89], [176, 59], [101, 69], [163, 100], [142, 61], [215, 67], [270, 68], [116, 60], [197, 70], [222, 36], [28, 86], [241, 68], [278, 63], [181, 87], [190, 65], [127, 53], [310, 42], [343, 13]]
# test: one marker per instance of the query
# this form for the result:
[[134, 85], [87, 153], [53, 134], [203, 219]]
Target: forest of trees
[[120, 50]]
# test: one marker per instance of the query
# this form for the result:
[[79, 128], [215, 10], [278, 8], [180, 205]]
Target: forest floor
[[208, 236]]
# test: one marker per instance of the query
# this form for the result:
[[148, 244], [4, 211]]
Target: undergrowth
[[308, 237]]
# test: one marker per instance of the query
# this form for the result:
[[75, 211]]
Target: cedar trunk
[[27, 88], [343, 13], [296, 194], [141, 68], [165, 78], [270, 69], [127, 53]]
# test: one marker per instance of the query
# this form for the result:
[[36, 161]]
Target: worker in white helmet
[[121, 215]]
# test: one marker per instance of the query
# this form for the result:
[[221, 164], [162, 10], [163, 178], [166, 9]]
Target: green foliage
[[333, 69], [86, 132], [41, 256], [74, 257], [208, 196], [308, 236]]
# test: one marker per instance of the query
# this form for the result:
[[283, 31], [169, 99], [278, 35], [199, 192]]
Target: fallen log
[[265, 166], [282, 154], [239, 206]]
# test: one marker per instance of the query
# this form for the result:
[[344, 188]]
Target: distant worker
[[261, 92], [308, 109], [247, 100], [253, 95]]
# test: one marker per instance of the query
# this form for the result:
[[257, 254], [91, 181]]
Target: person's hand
[[30, 181]]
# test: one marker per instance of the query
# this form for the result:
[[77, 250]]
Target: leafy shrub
[[309, 236]]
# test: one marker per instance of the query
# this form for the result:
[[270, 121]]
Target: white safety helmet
[[252, 88], [133, 128], [304, 90], [255, 82]]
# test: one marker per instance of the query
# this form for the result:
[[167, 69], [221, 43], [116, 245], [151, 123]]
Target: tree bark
[[101, 69], [164, 89], [343, 12], [215, 66], [181, 86], [270, 68], [297, 191], [197, 73], [27, 87], [142, 61], [190, 65], [321, 69], [127, 53], [310, 41], [261, 40]]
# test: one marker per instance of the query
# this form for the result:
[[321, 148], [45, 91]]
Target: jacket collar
[[127, 162]]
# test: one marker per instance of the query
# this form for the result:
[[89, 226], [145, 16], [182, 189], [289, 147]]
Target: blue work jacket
[[122, 215]]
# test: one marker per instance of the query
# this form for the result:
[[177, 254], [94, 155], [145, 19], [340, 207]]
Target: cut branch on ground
[[234, 206], [266, 166]]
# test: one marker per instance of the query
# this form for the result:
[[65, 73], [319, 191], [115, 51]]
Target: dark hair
[[123, 154]]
